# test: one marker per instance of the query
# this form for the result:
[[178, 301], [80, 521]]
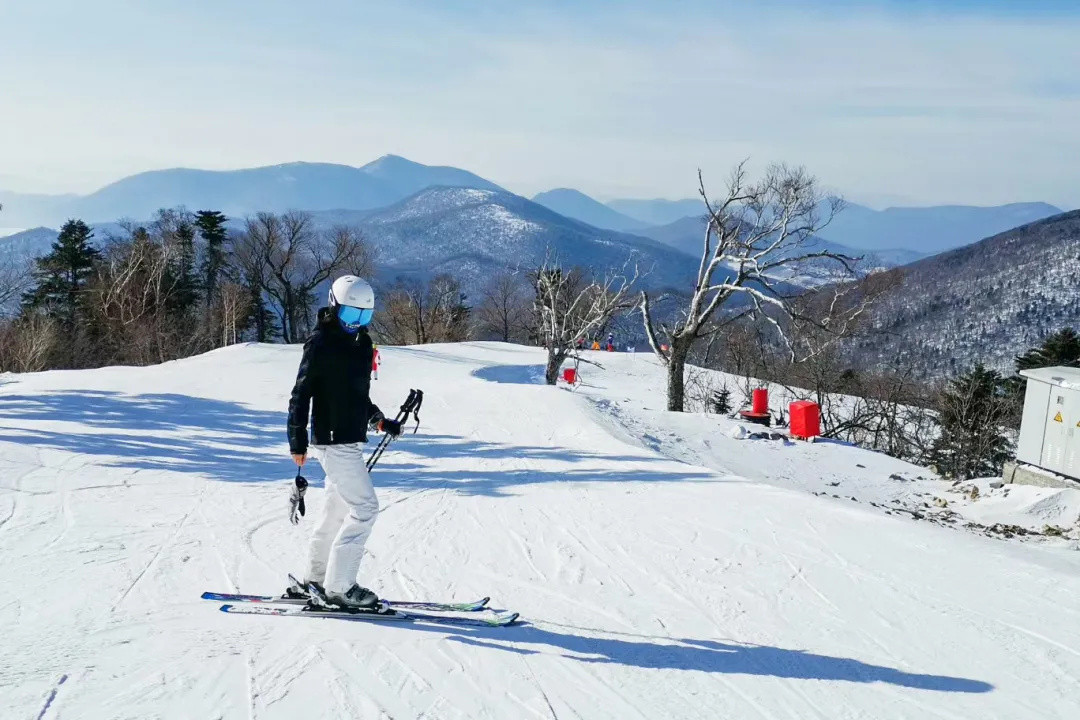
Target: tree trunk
[[554, 363], [676, 368]]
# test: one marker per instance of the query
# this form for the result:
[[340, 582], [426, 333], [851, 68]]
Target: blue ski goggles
[[354, 317]]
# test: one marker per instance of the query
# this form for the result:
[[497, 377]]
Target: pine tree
[[973, 411], [62, 275], [721, 401], [185, 283], [211, 225], [1060, 349], [261, 318]]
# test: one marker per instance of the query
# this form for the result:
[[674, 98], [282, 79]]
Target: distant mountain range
[[391, 179], [688, 235], [469, 232], [300, 186], [579, 206], [929, 230], [983, 301], [658, 212], [896, 235], [27, 244], [986, 302]]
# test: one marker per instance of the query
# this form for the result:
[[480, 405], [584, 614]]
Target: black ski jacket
[[333, 381]]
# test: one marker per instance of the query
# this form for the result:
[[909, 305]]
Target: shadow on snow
[[225, 440], [710, 656], [511, 374], [231, 442]]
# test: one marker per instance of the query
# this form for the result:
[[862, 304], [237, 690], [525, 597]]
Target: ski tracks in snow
[[161, 548], [52, 697]]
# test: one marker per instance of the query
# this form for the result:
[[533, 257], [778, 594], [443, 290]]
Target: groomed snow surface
[[664, 569]]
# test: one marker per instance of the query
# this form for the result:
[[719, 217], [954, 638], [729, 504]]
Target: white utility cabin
[[1050, 429]]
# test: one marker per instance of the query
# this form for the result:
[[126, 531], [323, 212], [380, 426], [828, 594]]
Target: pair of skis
[[392, 610]]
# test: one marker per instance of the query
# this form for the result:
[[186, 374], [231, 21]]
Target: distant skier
[[611, 342], [334, 381]]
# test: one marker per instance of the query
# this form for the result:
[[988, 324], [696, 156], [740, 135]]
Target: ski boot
[[355, 599]]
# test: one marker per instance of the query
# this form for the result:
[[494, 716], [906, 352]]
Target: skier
[[611, 342], [334, 380]]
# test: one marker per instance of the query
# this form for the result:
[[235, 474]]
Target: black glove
[[374, 419], [296, 499], [390, 427]]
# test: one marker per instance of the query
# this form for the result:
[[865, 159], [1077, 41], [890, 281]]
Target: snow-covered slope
[[472, 232], [986, 302], [651, 588], [27, 244]]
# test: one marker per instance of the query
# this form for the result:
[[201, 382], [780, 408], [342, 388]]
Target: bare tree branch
[[569, 307], [756, 229]]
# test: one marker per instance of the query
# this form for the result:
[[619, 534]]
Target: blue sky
[[904, 102]]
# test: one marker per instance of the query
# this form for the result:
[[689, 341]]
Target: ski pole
[[410, 406], [385, 439]]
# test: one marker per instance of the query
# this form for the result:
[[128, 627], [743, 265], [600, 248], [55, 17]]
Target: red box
[[569, 375], [805, 419]]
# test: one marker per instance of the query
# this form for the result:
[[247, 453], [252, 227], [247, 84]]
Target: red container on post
[[569, 375], [805, 419], [761, 401], [759, 408]]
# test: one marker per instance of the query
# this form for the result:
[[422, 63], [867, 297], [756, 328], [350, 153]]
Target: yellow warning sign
[[1057, 418]]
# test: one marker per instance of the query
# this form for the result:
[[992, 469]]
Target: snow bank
[[631, 389]]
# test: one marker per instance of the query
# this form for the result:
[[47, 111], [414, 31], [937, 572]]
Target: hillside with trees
[[978, 303]]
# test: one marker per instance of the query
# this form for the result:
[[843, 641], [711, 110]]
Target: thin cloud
[[975, 106]]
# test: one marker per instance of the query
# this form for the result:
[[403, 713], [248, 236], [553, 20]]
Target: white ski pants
[[337, 546]]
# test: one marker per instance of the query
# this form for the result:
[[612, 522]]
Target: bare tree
[[759, 230], [28, 343], [287, 258], [231, 308], [505, 308], [133, 303], [415, 313], [15, 277], [569, 306]]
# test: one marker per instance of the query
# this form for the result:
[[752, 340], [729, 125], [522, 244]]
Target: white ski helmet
[[352, 291], [353, 302]]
